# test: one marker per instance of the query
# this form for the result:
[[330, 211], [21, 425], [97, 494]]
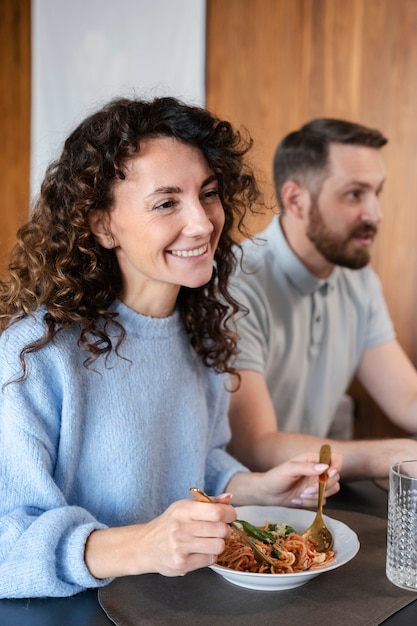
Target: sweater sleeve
[[220, 465], [42, 537]]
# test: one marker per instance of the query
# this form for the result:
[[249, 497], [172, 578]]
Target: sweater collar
[[136, 323]]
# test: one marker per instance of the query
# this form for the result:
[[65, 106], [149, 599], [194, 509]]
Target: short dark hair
[[305, 152]]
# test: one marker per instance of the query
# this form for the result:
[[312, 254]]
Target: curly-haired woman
[[116, 354]]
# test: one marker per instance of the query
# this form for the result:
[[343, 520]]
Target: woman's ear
[[295, 198], [98, 221]]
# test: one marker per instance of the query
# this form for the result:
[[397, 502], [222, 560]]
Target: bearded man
[[316, 313]]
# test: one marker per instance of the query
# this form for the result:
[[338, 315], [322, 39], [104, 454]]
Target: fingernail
[[296, 501], [332, 473], [320, 467], [224, 496], [309, 491]]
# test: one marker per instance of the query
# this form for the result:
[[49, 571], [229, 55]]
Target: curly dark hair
[[57, 263]]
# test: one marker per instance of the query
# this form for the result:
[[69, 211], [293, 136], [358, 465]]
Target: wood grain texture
[[274, 64], [15, 70], [271, 66]]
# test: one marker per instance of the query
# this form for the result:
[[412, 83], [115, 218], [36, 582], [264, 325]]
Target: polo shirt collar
[[296, 272]]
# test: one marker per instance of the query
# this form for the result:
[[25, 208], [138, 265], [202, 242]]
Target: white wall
[[85, 52]]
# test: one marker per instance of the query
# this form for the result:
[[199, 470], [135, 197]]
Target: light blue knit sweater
[[82, 449]]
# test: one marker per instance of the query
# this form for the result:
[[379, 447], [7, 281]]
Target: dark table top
[[84, 609]]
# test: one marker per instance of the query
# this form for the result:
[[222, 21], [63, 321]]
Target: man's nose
[[372, 213]]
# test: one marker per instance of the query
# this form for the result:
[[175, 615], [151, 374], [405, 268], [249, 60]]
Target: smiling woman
[[164, 225], [117, 343]]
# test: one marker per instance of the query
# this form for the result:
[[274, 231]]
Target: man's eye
[[354, 195]]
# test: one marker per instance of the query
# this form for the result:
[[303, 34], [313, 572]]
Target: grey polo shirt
[[306, 335]]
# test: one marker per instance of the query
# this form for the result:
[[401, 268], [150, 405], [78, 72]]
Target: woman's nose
[[197, 221]]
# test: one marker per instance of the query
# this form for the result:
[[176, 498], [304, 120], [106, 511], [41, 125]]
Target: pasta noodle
[[291, 553]]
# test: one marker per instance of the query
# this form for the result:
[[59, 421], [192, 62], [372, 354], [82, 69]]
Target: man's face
[[344, 217]]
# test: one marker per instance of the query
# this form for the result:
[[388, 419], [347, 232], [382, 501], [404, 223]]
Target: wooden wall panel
[[14, 119], [274, 64]]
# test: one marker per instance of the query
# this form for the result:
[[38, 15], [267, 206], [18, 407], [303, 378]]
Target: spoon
[[318, 530], [257, 553]]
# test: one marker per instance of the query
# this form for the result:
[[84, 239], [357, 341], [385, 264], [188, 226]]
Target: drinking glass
[[401, 564]]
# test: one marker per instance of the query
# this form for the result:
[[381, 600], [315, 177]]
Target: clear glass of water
[[401, 565]]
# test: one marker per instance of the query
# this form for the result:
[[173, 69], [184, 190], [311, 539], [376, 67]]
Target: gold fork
[[318, 531]]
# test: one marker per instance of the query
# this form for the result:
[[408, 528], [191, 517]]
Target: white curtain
[[85, 52]]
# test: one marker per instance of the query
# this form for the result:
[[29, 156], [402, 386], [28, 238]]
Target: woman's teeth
[[188, 253]]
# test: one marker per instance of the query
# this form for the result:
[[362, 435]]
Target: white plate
[[346, 546]]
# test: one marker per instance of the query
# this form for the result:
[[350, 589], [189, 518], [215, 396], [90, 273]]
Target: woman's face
[[164, 225]]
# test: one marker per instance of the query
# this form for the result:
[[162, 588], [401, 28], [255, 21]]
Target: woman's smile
[[196, 252]]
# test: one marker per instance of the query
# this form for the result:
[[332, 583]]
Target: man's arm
[[390, 378], [257, 443]]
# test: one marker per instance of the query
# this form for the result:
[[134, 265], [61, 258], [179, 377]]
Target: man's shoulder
[[261, 250]]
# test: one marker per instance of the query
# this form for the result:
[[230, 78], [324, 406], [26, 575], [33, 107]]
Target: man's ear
[[295, 198], [99, 226]]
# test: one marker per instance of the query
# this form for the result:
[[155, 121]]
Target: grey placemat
[[356, 594]]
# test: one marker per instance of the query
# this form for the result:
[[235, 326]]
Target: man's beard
[[334, 249]]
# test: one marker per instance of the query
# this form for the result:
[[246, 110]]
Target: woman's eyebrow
[[210, 179], [174, 189], [165, 189]]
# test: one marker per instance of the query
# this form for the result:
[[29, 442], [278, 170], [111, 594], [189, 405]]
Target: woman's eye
[[211, 194], [167, 204]]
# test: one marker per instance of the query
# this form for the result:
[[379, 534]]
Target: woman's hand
[[187, 536], [190, 535], [293, 483]]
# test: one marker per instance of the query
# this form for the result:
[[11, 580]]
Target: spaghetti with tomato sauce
[[291, 552]]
